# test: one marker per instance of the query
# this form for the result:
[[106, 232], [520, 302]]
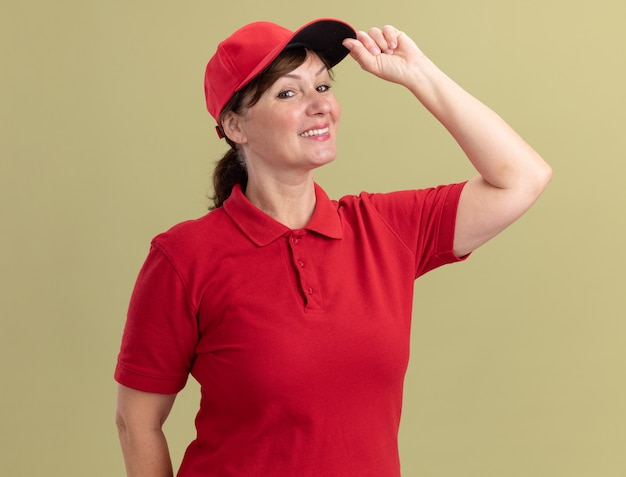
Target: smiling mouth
[[314, 132]]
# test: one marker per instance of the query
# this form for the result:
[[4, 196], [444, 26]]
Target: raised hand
[[387, 53]]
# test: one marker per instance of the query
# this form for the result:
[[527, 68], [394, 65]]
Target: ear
[[232, 126]]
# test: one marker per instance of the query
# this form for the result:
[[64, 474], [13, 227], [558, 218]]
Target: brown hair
[[231, 168]]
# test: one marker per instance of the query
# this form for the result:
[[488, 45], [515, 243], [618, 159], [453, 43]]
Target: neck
[[290, 204]]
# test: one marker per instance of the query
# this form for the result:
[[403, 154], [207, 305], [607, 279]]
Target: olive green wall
[[519, 355]]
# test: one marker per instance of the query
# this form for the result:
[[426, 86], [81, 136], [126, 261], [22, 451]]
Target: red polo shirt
[[298, 338]]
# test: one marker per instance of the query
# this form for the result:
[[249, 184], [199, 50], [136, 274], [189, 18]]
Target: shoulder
[[187, 237], [403, 200]]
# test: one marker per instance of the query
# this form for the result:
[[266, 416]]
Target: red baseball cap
[[248, 51]]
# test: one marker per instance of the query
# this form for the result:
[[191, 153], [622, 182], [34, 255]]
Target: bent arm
[[511, 175], [139, 417]]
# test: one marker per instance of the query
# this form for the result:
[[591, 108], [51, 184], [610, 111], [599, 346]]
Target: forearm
[[497, 152], [146, 453], [511, 175]]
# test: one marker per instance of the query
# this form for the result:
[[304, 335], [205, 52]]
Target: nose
[[318, 105]]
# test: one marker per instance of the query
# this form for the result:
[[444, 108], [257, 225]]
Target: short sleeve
[[425, 221], [161, 331]]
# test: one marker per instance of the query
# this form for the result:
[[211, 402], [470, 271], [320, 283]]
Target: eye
[[286, 93], [323, 88]]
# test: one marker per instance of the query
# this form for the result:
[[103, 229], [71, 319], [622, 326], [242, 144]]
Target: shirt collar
[[263, 229]]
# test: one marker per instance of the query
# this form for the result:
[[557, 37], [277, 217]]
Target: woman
[[291, 310]]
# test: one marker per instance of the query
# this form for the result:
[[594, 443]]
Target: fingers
[[378, 40], [383, 52], [364, 57]]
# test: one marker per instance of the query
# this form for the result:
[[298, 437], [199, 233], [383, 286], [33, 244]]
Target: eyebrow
[[297, 76]]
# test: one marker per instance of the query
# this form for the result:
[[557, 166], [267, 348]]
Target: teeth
[[314, 132]]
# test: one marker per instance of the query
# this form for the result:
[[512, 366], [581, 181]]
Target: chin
[[322, 161], [325, 157]]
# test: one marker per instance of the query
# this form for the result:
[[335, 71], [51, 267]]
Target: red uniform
[[298, 338]]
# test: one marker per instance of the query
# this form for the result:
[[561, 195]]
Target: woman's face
[[293, 126]]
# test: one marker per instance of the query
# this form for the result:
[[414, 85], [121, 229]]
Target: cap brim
[[324, 37]]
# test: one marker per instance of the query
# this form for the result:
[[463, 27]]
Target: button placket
[[304, 273]]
